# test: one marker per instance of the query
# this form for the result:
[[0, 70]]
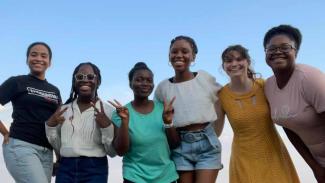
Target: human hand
[[6, 139], [100, 117], [55, 169], [168, 112], [122, 111], [57, 117]]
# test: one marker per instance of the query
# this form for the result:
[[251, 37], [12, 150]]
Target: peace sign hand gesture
[[122, 111], [57, 117], [100, 117], [168, 113]]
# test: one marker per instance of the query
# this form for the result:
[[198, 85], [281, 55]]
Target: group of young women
[[173, 138]]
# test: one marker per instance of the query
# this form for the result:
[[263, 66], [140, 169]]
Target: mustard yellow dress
[[258, 153]]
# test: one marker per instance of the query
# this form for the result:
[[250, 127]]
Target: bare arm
[[4, 132], [121, 140], [3, 129], [301, 147], [303, 150], [172, 137], [219, 123], [171, 132]]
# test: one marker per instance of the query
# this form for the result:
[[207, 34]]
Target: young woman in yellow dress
[[258, 153]]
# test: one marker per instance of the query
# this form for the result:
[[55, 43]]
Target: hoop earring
[[192, 64]]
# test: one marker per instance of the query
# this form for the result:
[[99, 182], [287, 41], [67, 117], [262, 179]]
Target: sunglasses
[[85, 77]]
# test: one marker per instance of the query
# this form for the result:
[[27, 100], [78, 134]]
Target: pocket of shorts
[[214, 142]]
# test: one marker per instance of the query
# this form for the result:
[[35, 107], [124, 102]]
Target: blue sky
[[116, 34]]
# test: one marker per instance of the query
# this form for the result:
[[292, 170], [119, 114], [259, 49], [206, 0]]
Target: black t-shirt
[[33, 101]]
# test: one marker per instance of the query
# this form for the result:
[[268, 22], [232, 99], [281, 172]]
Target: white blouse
[[195, 99], [79, 135]]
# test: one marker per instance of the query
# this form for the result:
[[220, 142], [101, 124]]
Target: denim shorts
[[199, 150]]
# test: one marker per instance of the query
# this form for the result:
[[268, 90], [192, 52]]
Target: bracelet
[[169, 125]]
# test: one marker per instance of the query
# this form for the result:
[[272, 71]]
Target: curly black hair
[[292, 32]]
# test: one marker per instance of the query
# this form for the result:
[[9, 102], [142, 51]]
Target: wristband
[[169, 125]]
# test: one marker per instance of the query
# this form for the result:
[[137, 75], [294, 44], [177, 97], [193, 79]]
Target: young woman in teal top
[[140, 134]]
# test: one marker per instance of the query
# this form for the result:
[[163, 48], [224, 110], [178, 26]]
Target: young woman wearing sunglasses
[[81, 130]]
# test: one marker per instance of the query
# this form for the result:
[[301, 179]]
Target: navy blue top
[[33, 101]]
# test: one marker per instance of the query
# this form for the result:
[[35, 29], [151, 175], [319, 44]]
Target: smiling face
[[142, 83], [235, 65], [181, 55], [280, 60], [86, 82], [38, 60]]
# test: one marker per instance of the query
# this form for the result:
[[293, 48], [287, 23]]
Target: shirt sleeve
[[108, 132], [314, 89], [53, 136], [107, 139], [8, 90], [158, 95], [212, 84]]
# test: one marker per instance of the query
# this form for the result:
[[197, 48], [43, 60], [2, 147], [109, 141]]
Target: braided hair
[[73, 93]]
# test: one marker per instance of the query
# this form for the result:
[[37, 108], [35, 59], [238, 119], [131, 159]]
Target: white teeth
[[179, 63], [84, 87], [234, 70], [278, 59], [35, 63], [282, 57]]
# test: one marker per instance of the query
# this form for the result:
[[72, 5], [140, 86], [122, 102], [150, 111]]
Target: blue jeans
[[28, 163], [82, 170]]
